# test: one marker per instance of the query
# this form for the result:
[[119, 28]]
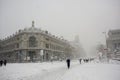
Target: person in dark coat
[[80, 60], [1, 62], [5, 62], [84, 60], [68, 63]]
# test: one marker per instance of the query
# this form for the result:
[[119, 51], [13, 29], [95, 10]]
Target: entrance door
[[31, 54], [47, 57]]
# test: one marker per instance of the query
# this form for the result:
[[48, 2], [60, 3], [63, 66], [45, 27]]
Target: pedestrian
[[5, 62], [68, 63], [84, 60], [80, 60], [1, 62]]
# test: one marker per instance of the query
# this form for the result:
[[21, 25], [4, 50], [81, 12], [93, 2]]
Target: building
[[113, 43], [77, 50], [33, 44]]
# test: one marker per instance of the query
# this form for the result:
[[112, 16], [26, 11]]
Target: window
[[32, 41], [119, 45], [17, 38], [47, 39], [47, 45], [17, 45], [115, 45]]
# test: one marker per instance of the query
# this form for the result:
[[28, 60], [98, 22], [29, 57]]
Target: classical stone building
[[33, 44], [113, 43]]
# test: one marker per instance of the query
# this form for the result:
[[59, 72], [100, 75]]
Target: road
[[54, 74]]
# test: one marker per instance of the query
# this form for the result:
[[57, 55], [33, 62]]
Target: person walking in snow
[[5, 62], [1, 62], [68, 63], [80, 60]]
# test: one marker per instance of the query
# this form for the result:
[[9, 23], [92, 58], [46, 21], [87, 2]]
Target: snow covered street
[[92, 71], [59, 71]]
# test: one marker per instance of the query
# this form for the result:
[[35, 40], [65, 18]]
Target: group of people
[[80, 60], [3, 62], [85, 60]]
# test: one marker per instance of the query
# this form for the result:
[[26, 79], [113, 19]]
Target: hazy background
[[67, 18]]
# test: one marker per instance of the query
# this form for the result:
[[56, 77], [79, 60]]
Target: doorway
[[32, 55]]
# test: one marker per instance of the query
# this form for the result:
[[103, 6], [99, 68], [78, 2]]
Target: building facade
[[33, 44], [113, 43], [77, 50]]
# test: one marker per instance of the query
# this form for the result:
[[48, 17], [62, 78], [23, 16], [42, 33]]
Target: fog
[[67, 18]]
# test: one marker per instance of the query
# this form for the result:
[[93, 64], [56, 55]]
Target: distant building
[[113, 43], [33, 44], [77, 49]]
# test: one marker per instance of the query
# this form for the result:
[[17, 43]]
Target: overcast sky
[[67, 18]]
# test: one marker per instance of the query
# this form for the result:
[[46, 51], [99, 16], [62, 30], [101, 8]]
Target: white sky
[[67, 18]]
